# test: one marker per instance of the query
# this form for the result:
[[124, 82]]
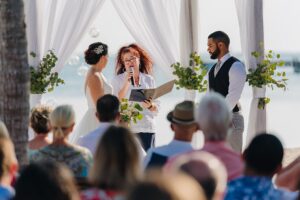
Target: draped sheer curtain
[[189, 35], [57, 25], [250, 16], [154, 25], [189, 42]]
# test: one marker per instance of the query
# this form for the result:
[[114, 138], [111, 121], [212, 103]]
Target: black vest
[[220, 82]]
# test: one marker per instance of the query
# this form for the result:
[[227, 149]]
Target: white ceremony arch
[[61, 24]]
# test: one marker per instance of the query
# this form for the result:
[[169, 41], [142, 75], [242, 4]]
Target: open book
[[154, 93]]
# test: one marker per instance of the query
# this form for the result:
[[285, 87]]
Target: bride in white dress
[[96, 86]]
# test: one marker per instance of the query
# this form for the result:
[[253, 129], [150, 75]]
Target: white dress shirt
[[174, 148], [237, 79], [91, 140], [146, 82]]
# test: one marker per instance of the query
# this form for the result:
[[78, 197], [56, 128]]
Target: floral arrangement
[[192, 76], [42, 80], [130, 111], [265, 74]]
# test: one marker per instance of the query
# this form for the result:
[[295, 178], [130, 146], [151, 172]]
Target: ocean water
[[282, 112]]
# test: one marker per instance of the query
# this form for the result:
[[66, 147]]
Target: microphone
[[131, 72]]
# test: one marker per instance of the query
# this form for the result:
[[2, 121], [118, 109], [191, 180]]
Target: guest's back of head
[[8, 160], [214, 117], [116, 161], [108, 108], [61, 118], [207, 169], [264, 155], [158, 186], [39, 119], [47, 181]]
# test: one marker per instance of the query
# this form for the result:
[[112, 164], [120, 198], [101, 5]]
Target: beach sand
[[290, 154]]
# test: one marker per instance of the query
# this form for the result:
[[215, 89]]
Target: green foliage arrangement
[[192, 76], [42, 80], [130, 111], [265, 74]]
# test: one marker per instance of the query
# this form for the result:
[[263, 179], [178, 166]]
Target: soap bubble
[[52, 102], [94, 32], [74, 60], [82, 70]]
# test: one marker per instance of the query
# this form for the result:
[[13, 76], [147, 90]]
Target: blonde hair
[[7, 151], [62, 117], [3, 130], [116, 161]]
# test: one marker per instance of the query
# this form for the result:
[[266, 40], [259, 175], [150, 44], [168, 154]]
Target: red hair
[[145, 60]]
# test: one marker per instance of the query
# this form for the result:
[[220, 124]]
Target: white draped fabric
[[189, 34], [57, 25], [250, 16], [189, 42], [154, 25]]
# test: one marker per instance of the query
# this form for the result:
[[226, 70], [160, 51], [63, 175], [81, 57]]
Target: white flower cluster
[[99, 49]]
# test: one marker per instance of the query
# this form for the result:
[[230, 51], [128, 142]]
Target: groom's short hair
[[108, 108], [220, 36]]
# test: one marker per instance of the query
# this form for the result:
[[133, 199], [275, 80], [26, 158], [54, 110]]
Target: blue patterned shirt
[[255, 188]]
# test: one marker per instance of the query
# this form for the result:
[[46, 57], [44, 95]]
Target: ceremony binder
[[154, 93]]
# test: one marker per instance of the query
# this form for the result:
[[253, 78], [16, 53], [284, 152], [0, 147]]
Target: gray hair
[[214, 117]]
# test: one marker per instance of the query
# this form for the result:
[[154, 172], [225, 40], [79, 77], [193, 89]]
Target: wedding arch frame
[[61, 24]]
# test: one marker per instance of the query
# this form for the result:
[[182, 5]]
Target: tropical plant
[[265, 75], [130, 111], [42, 80], [191, 77]]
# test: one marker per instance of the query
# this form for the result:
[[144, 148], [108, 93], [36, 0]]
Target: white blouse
[[146, 82]]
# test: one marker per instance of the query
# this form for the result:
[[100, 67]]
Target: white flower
[[99, 49]]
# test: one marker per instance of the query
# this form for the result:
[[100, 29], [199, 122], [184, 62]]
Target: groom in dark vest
[[227, 77]]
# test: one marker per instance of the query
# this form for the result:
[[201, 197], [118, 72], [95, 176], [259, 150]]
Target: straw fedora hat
[[183, 113]]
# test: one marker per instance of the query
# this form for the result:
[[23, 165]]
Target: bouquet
[[130, 111]]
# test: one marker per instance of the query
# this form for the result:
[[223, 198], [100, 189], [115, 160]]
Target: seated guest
[[214, 119], [107, 114], [116, 165], [184, 127], [289, 177], [77, 158], [263, 159], [205, 168], [47, 181], [9, 164], [40, 123]]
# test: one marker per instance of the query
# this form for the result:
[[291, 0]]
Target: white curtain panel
[[250, 16], [189, 42], [189, 29], [154, 25], [58, 25]]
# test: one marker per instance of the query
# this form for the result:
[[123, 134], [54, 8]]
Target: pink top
[[231, 159]]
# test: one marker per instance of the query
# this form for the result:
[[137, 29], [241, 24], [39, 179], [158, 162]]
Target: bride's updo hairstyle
[[61, 118], [95, 51]]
